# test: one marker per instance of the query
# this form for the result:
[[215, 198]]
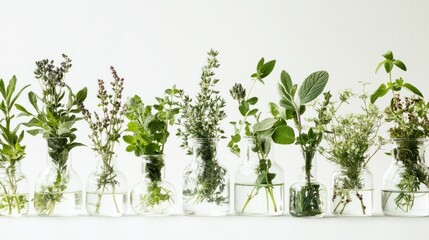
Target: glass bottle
[[206, 182], [14, 196], [152, 195], [106, 189], [259, 181], [58, 189], [352, 194], [405, 189], [307, 197]]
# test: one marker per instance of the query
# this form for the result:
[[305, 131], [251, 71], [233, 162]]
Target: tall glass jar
[[206, 182], [308, 196], [14, 196], [405, 189], [106, 189], [58, 190], [259, 181], [153, 195], [352, 193]]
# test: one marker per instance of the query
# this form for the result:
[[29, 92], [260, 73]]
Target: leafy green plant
[[106, 130], [11, 151], [306, 201], [200, 121], [352, 141], [411, 123], [148, 125], [55, 120], [261, 130]]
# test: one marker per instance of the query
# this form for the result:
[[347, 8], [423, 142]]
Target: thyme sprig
[[106, 130], [200, 119]]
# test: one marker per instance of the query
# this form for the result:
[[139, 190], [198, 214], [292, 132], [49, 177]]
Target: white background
[[155, 44]]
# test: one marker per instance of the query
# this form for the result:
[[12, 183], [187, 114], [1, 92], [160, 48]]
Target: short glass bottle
[[153, 196], [106, 189], [352, 194], [259, 181], [58, 189], [206, 182], [307, 198], [14, 192], [405, 191]]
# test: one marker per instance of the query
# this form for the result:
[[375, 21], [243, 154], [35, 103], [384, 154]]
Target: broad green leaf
[[128, 139], [252, 112], [312, 86], [252, 101], [130, 148], [133, 127], [267, 68], [380, 92], [283, 135], [33, 100], [388, 55], [274, 109], [81, 95], [264, 124], [286, 81], [260, 64], [286, 103], [388, 65], [413, 89], [236, 138], [400, 65]]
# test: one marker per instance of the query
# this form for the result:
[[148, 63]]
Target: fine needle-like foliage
[[261, 131], [106, 130], [148, 127], [307, 201], [200, 120], [11, 151], [55, 120], [411, 123], [352, 140]]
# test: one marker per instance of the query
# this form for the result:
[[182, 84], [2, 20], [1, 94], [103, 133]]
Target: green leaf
[[274, 109], [388, 55], [380, 92], [2, 88], [10, 88], [286, 81], [283, 135], [128, 139], [312, 86], [264, 124], [243, 108], [252, 101], [130, 148], [81, 95], [33, 100], [252, 112], [379, 66], [236, 138], [267, 68], [133, 126], [400, 65], [388, 65], [413, 89], [34, 132], [260, 64]]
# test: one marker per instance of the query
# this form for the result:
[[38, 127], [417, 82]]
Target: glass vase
[[58, 189], [106, 189], [405, 189], [14, 196], [352, 193], [307, 198], [153, 196], [206, 182], [259, 181]]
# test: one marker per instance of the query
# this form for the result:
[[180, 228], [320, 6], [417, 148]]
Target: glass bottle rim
[[409, 139]]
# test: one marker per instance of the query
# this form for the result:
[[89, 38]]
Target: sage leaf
[[312, 86], [264, 124]]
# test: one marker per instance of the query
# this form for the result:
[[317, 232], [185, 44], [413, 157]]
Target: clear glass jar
[[405, 189], [352, 193], [152, 195], [106, 189], [307, 198], [14, 196], [259, 181], [58, 190], [206, 182]]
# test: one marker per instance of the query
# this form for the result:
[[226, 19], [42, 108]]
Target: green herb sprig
[[307, 201], [262, 130], [106, 129], [201, 120], [55, 120], [11, 151]]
